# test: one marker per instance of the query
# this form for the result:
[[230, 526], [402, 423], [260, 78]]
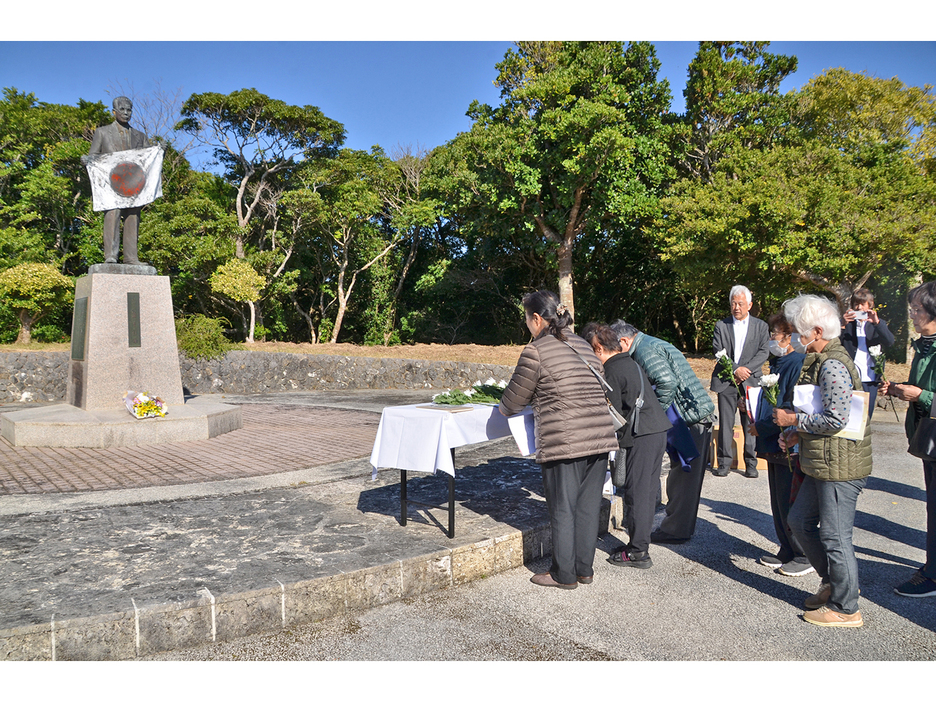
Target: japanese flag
[[125, 179]]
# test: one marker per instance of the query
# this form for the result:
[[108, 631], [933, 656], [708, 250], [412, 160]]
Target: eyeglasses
[[777, 334], [914, 311]]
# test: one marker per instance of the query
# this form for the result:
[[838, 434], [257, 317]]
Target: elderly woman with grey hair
[[835, 468]]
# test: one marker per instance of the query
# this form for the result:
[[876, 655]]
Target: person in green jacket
[[918, 392], [835, 468]]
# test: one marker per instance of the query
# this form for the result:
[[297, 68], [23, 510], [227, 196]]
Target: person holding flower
[[783, 467], [740, 344], [863, 334], [918, 392], [574, 433], [835, 468]]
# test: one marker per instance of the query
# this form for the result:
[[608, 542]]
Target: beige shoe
[[826, 617], [820, 598]]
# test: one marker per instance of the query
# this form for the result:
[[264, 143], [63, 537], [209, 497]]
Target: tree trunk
[[253, 318], [25, 332]]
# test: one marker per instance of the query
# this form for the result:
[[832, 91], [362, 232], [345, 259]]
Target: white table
[[423, 438]]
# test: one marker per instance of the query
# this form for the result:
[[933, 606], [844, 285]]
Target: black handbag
[[923, 442]]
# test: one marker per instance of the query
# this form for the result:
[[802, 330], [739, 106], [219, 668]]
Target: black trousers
[[929, 477], [573, 496], [684, 488], [641, 487]]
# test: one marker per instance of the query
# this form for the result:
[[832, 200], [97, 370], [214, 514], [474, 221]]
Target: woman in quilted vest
[[574, 434], [823, 516]]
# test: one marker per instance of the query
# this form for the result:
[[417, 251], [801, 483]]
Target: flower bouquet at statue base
[[142, 405]]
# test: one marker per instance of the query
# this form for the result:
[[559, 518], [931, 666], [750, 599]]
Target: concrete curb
[[218, 616]]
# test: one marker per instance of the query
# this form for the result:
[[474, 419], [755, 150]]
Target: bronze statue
[[119, 136]]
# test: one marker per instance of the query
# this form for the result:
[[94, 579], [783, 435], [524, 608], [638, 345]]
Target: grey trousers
[[573, 496], [822, 520], [728, 403], [684, 489]]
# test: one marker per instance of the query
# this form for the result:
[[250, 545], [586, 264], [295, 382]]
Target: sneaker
[[917, 586], [827, 617], [721, 471], [820, 598], [794, 569], [770, 562], [634, 559], [750, 473]]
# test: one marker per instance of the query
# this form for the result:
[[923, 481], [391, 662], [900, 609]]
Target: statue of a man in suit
[[119, 136]]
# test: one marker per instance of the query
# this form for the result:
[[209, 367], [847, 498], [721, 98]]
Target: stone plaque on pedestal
[[123, 338]]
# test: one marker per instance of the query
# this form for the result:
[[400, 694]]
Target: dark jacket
[[788, 367], [624, 376], [875, 335], [833, 458], [754, 354], [568, 401]]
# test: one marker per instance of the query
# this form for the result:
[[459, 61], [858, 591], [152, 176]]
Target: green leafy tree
[[238, 280], [343, 205], [33, 290], [257, 140], [577, 143], [732, 101]]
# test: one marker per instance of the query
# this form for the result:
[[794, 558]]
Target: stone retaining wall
[[41, 376]]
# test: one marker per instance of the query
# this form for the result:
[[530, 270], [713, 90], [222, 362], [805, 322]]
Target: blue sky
[[386, 93], [368, 65]]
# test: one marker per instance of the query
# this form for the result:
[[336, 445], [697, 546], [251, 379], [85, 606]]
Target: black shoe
[[721, 471], [751, 473], [661, 537], [632, 559]]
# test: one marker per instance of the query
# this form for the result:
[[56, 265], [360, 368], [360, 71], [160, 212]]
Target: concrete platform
[[67, 426]]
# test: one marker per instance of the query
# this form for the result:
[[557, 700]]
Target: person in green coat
[[918, 392]]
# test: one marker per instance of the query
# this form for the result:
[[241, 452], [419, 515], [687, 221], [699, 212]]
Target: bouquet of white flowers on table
[[142, 405], [487, 393], [726, 369]]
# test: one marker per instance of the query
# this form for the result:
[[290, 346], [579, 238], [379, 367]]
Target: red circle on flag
[[127, 179]]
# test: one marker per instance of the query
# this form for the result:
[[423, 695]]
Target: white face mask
[[777, 350], [798, 345]]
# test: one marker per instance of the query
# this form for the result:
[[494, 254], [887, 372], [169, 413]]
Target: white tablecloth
[[420, 438]]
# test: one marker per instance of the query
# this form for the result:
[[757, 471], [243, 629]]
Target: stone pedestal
[[123, 338]]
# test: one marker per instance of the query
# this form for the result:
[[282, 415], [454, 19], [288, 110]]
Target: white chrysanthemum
[[721, 354], [875, 351], [769, 380]]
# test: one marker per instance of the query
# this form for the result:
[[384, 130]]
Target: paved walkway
[[278, 526]]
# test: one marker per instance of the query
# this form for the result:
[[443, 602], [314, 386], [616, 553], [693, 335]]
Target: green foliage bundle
[[202, 338]]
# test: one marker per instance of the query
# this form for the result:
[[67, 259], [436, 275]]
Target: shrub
[[202, 338]]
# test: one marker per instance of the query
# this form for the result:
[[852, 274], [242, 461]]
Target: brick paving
[[274, 439]]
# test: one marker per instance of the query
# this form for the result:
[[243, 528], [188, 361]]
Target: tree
[[239, 281], [343, 203], [790, 216], [854, 111], [257, 140], [732, 101], [34, 290], [577, 143]]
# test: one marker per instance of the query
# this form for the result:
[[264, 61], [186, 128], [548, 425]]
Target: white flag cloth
[[125, 179]]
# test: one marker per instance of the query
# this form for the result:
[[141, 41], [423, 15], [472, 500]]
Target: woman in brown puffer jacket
[[574, 434]]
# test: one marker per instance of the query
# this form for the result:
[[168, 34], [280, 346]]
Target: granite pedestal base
[[66, 426], [123, 339]]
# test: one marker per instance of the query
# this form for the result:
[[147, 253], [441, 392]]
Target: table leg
[[451, 529], [403, 498]]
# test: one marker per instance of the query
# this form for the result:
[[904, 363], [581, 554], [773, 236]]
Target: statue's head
[[123, 109]]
